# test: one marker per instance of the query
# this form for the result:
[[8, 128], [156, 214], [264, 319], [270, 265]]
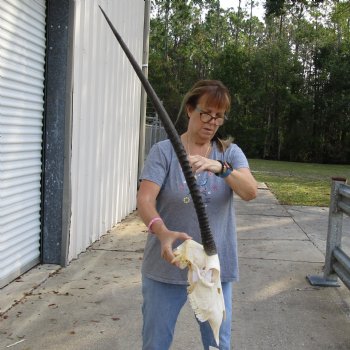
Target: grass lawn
[[298, 183]]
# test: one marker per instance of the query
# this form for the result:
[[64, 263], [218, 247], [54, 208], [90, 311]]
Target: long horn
[[207, 238]]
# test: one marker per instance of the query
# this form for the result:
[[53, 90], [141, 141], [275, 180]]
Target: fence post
[[334, 235], [155, 132]]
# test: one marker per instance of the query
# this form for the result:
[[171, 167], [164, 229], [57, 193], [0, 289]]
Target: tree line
[[288, 74]]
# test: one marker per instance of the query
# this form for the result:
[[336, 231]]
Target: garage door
[[22, 59]]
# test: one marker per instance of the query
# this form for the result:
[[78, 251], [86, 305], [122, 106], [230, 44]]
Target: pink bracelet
[[152, 222]]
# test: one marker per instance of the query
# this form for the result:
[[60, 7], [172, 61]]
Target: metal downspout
[[143, 107]]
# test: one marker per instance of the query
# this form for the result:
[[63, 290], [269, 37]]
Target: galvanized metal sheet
[[22, 59], [106, 114]]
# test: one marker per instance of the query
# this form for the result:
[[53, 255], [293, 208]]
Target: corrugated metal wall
[[22, 58], [106, 114]]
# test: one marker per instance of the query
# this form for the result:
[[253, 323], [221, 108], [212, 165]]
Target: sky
[[257, 11]]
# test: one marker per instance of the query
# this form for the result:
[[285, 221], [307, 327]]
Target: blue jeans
[[162, 303]]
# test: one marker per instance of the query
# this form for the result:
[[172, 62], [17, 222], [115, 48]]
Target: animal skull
[[204, 291]]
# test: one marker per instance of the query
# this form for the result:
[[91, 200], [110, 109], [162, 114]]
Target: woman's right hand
[[146, 206], [167, 239]]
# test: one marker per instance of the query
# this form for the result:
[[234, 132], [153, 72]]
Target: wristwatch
[[226, 169]]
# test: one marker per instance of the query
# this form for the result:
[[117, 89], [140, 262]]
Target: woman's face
[[200, 122]]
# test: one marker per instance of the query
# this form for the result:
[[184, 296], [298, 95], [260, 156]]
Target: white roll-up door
[[22, 59]]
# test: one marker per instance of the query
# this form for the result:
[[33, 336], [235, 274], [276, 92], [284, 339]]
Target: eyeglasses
[[207, 118]]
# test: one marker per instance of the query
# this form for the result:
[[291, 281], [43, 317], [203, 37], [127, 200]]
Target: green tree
[[288, 75]]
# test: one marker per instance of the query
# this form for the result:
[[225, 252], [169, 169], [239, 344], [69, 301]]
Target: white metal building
[[69, 127]]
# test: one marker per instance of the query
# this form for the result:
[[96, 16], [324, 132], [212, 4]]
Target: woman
[[165, 206]]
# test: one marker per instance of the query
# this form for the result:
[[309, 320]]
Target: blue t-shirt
[[175, 207]]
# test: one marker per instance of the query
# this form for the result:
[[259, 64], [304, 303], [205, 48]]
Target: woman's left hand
[[199, 163], [240, 180]]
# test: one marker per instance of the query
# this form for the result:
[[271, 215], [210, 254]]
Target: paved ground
[[95, 302]]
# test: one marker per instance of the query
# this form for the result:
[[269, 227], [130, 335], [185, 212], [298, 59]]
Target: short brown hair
[[218, 96]]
